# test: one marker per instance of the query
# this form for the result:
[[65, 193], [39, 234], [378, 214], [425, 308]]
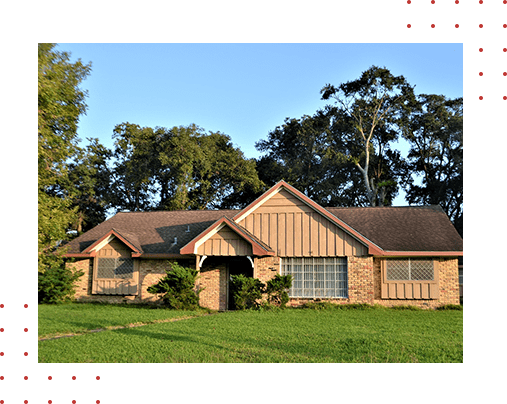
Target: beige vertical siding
[[293, 229], [225, 242], [115, 249], [410, 289]]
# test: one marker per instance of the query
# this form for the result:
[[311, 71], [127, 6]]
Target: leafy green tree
[[179, 168], [435, 135], [135, 163], [369, 115], [303, 152], [90, 176], [60, 103]]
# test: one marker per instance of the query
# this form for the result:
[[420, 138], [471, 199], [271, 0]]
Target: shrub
[[450, 307], [246, 291], [178, 287], [57, 283], [277, 290]]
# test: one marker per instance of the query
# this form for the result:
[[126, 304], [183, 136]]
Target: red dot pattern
[[26, 377]]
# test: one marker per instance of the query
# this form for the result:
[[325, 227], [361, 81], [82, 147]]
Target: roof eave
[[420, 254]]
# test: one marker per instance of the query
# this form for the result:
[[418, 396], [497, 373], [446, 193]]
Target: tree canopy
[[435, 135], [60, 103], [180, 168], [346, 154]]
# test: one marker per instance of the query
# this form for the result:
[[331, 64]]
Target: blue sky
[[242, 90]]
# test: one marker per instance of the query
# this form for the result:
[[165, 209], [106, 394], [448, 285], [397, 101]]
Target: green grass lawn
[[55, 320], [292, 335]]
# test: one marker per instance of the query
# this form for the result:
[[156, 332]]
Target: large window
[[317, 277], [114, 268], [409, 269]]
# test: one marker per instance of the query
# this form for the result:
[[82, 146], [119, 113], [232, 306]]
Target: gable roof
[[129, 239], [258, 247], [372, 247], [152, 233], [404, 229], [410, 230]]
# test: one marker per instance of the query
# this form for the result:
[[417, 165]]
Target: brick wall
[[213, 284], [364, 282], [265, 268]]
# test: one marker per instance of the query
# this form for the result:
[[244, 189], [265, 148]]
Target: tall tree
[[60, 103], [435, 135], [304, 153], [183, 167], [90, 176], [135, 164], [369, 115]]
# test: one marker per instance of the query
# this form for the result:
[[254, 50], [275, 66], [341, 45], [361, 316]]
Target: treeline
[[345, 154]]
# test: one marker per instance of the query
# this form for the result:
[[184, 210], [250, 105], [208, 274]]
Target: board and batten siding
[[293, 229], [226, 243], [109, 286], [405, 289]]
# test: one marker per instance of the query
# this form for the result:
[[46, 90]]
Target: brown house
[[375, 255]]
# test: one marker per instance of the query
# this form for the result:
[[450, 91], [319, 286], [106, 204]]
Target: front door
[[236, 266]]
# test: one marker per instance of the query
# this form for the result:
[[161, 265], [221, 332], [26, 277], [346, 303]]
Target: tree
[[435, 135], [135, 164], [60, 103], [179, 168], [369, 115], [90, 176], [303, 153]]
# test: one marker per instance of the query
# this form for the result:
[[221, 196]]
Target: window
[[317, 277], [409, 269], [113, 268]]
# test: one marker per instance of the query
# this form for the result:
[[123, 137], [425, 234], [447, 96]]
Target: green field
[[292, 335]]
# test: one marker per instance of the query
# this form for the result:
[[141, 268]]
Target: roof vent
[[188, 229], [175, 241]]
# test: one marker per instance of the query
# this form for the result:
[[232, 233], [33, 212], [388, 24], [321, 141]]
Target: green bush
[[450, 307], [246, 292], [277, 290], [56, 282], [178, 287]]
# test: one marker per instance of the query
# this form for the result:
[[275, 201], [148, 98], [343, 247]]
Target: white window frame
[[315, 282]]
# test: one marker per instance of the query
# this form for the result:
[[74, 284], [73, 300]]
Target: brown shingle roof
[[407, 228], [153, 232], [411, 228]]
